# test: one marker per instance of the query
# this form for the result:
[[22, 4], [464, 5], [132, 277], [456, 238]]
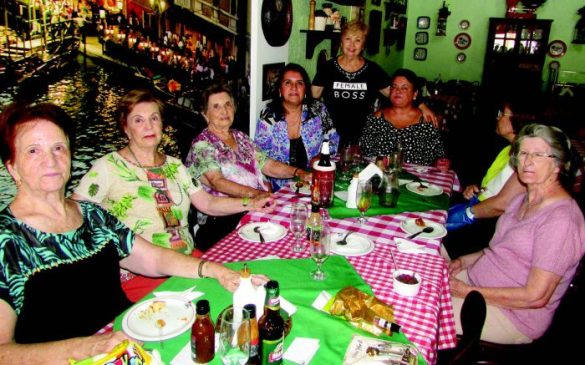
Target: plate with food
[[424, 188], [158, 319], [415, 225], [270, 231], [303, 187], [357, 244]]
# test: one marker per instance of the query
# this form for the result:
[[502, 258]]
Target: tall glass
[[320, 250], [364, 199], [298, 225], [234, 337], [346, 158]]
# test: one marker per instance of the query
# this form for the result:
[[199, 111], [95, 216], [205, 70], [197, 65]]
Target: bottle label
[[313, 235], [254, 343], [272, 351]]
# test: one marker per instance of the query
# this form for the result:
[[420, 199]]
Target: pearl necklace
[[176, 182]]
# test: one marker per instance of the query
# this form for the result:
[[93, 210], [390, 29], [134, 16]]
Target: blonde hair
[[355, 26]]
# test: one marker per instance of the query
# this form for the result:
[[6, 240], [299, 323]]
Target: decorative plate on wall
[[462, 40], [461, 57], [420, 54], [421, 38], [423, 22], [557, 48], [277, 21], [464, 24]]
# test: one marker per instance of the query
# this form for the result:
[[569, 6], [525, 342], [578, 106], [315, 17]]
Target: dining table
[[426, 320]]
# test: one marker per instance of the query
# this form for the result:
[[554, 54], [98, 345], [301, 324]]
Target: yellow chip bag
[[127, 352]]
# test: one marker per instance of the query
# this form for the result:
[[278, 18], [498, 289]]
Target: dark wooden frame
[[270, 73]]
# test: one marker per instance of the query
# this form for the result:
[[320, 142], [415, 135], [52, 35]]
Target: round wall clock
[[277, 21], [557, 48], [462, 41]]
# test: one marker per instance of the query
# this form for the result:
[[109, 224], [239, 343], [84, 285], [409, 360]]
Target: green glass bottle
[[271, 327]]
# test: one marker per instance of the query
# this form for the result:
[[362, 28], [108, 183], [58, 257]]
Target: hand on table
[[305, 176], [459, 289], [455, 267], [262, 203], [101, 344]]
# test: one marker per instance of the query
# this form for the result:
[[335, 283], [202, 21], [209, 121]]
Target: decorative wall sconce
[[579, 35], [442, 21]]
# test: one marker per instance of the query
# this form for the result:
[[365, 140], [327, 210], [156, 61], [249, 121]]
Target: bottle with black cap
[[202, 335]]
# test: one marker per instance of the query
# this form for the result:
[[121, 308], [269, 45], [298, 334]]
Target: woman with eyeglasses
[[402, 124], [536, 248]]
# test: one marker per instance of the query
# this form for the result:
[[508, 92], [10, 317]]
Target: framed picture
[[270, 73], [423, 22], [421, 38], [462, 41], [420, 54]]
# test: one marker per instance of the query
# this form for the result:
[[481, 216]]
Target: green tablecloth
[[297, 287], [407, 202]]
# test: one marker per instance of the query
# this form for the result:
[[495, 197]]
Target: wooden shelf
[[314, 37]]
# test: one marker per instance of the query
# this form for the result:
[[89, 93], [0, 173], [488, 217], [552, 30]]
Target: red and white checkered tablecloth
[[427, 319]]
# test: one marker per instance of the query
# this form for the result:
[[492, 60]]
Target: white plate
[[357, 245], [429, 190], [341, 195], [410, 227], [270, 231], [141, 323], [305, 189]]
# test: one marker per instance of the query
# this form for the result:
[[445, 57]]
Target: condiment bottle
[[323, 178], [202, 335], [352, 192], [271, 326], [254, 358], [246, 293], [314, 224]]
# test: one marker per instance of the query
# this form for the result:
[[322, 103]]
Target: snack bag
[[363, 311], [127, 352]]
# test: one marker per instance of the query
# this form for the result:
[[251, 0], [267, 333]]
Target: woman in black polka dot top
[[402, 123]]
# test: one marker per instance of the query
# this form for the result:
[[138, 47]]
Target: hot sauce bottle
[[202, 335]]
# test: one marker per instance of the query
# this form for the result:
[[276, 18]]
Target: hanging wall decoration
[[579, 34], [277, 19], [442, 20]]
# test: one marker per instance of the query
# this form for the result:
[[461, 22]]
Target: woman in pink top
[[536, 248]]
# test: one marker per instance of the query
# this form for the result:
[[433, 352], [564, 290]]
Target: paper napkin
[[406, 246], [302, 350], [187, 295]]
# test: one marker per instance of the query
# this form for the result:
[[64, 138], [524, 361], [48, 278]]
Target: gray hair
[[554, 137]]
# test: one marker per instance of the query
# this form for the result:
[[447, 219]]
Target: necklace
[[145, 170]]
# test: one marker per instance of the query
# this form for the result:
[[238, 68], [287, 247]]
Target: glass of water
[[234, 337], [298, 225]]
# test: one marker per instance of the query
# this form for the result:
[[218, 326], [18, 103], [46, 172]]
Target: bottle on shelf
[[202, 335], [312, 4], [271, 327], [323, 178], [254, 358]]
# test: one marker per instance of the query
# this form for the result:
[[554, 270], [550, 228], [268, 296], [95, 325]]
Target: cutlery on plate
[[343, 241], [257, 230], [424, 230], [298, 185]]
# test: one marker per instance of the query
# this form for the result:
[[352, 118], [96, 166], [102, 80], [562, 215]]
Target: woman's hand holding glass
[[298, 224]]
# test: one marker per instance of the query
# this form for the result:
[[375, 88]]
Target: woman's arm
[[151, 260], [55, 352], [317, 91], [496, 205], [281, 170], [215, 180], [536, 293], [219, 206]]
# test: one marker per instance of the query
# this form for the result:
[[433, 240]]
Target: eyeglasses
[[503, 114], [534, 156]]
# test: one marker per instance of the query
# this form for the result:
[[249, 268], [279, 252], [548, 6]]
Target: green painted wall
[[441, 58]]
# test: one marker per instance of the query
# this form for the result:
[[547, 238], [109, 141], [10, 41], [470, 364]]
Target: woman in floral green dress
[[149, 191]]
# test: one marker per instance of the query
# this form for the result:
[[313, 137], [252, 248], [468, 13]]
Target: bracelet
[[200, 268], [295, 172], [469, 213], [245, 201]]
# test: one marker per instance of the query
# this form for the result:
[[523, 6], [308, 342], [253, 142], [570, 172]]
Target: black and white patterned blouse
[[421, 142]]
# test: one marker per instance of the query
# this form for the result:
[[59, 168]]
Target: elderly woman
[[60, 258], [228, 163], [292, 127], [149, 191], [401, 124], [350, 84], [536, 248]]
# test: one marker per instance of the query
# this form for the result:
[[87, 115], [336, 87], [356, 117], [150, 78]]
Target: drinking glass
[[234, 337], [298, 225], [320, 251], [364, 199], [346, 157]]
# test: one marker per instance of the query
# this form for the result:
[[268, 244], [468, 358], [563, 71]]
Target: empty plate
[[270, 231], [425, 190], [409, 226], [357, 244]]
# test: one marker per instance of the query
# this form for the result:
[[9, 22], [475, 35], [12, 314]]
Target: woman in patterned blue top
[[50, 244]]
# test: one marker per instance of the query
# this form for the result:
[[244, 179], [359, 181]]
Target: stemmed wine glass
[[346, 162], [234, 337], [364, 199], [298, 224], [320, 249]]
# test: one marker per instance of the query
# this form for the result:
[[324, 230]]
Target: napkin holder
[[366, 174]]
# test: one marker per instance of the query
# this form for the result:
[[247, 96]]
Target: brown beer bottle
[[202, 335], [271, 327], [254, 336]]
